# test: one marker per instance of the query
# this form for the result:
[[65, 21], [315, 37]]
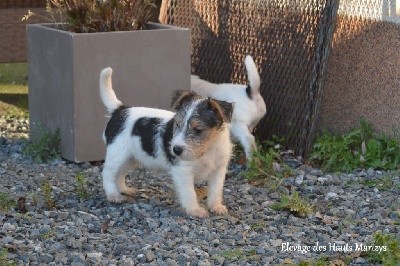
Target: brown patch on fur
[[201, 192], [199, 143], [179, 98], [226, 110], [217, 109]]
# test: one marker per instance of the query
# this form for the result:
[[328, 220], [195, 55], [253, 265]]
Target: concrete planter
[[64, 70]]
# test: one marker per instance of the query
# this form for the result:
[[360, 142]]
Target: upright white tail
[[252, 74], [107, 93]]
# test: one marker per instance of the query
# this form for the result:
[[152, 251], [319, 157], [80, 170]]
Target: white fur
[[107, 94], [126, 149], [246, 112]]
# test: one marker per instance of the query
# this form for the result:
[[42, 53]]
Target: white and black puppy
[[249, 105], [192, 145]]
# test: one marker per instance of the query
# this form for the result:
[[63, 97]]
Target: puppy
[[192, 145], [249, 106]]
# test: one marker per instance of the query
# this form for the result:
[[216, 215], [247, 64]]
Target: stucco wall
[[363, 75]]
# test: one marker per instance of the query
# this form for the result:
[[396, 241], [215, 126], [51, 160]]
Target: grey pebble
[[331, 195], [299, 180], [316, 172]]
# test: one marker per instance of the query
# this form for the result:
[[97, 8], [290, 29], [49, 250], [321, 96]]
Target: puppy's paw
[[128, 191], [116, 198], [219, 209], [198, 212]]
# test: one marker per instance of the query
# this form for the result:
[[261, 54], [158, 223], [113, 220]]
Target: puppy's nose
[[177, 150]]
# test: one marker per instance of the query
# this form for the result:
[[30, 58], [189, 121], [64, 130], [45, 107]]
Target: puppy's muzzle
[[177, 150]]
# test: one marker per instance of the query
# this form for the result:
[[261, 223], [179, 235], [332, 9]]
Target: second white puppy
[[192, 145], [249, 105]]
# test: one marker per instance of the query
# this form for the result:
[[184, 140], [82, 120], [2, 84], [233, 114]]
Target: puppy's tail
[[107, 93], [252, 74]]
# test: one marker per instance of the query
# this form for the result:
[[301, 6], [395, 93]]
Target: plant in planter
[[99, 15], [150, 60]]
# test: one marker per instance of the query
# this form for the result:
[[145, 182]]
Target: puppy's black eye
[[197, 130]]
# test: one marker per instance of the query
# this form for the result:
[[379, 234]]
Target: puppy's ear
[[222, 108], [179, 98]]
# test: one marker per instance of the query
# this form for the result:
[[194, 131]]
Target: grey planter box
[[64, 70]]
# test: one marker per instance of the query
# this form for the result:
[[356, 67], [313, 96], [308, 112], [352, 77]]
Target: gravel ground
[[154, 230]]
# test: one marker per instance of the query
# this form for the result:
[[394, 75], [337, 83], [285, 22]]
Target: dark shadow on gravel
[[19, 100]]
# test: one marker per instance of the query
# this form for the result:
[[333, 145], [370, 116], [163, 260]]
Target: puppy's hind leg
[[246, 139], [114, 174], [121, 183]]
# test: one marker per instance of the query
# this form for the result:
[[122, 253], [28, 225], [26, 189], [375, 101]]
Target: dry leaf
[[241, 160], [21, 205], [104, 226]]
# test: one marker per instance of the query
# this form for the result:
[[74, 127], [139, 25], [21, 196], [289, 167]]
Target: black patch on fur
[[146, 129], [227, 108], [209, 116], [116, 124], [166, 136], [248, 91]]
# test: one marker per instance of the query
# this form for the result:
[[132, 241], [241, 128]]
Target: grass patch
[[14, 90], [4, 261], [325, 261], [258, 225], [45, 147], [319, 262], [15, 73], [295, 204], [391, 256], [81, 186], [237, 254], [382, 183], [6, 203], [48, 235], [361, 148]]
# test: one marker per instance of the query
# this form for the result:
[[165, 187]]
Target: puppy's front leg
[[184, 182], [215, 191]]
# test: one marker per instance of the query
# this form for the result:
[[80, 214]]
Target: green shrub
[[261, 164], [360, 148], [267, 166], [47, 194], [45, 147]]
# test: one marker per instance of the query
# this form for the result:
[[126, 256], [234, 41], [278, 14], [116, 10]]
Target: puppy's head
[[197, 124]]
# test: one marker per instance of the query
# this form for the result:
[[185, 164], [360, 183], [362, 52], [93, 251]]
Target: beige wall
[[363, 75]]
